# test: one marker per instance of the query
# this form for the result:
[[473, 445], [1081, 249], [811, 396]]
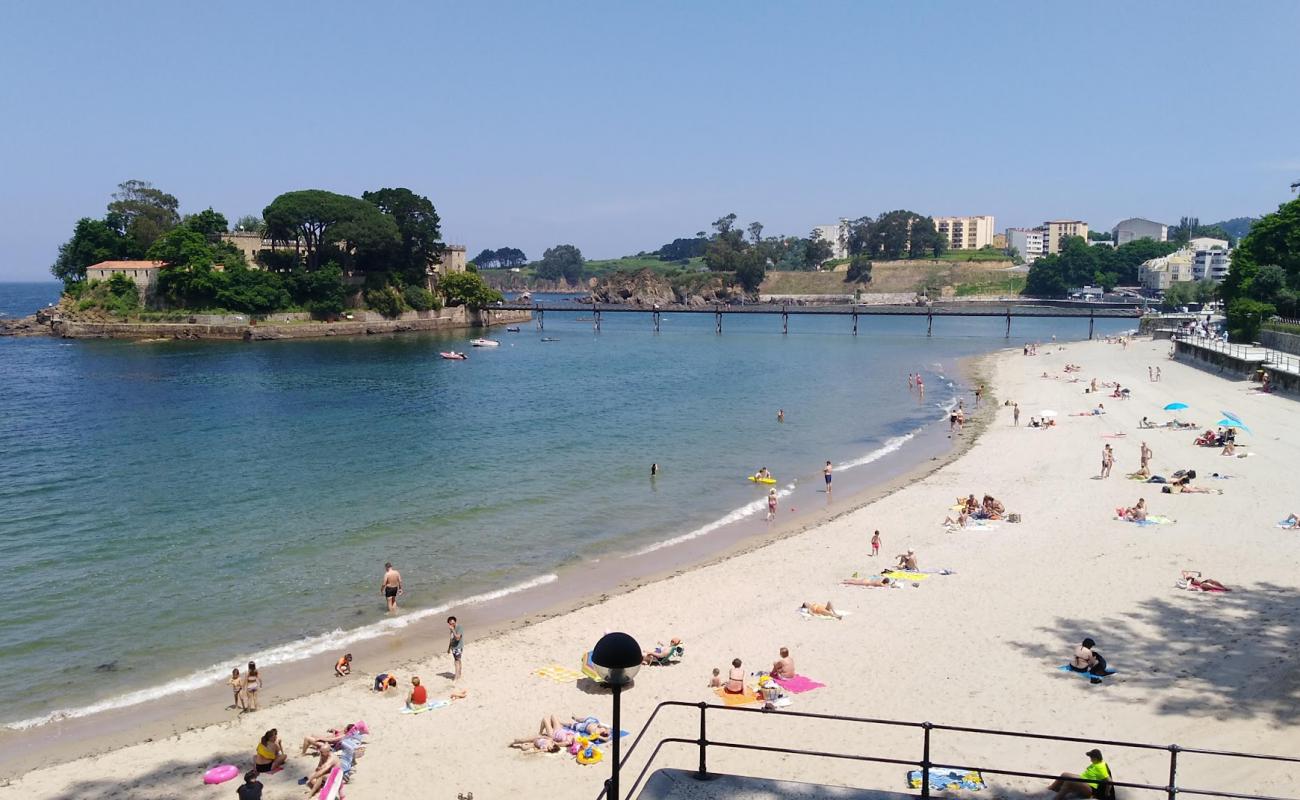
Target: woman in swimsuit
[[269, 755], [1193, 582], [252, 683], [551, 737], [876, 582], [735, 679], [821, 609]]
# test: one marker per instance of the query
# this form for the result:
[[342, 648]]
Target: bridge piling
[[717, 313], [929, 325], [656, 319], [1092, 318], [541, 319], [1008, 336], [855, 321], [785, 320], [595, 320]]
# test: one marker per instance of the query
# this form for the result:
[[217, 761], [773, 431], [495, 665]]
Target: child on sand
[[716, 681], [237, 685], [343, 666], [875, 544]]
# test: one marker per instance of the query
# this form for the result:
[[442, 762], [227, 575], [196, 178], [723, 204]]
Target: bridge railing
[[927, 746]]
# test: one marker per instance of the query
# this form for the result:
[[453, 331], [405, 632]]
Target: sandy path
[[978, 648]]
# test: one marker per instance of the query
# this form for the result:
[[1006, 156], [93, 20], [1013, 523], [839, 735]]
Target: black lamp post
[[616, 657]]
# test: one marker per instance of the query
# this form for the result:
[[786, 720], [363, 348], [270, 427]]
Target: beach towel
[[1284, 525], [798, 684], [1066, 669], [905, 576], [975, 526], [558, 673], [748, 698], [429, 706], [944, 778], [1152, 519], [806, 614]]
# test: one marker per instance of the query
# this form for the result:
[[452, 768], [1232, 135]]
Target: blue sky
[[619, 126]]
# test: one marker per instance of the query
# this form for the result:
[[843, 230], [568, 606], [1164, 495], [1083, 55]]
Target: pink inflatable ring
[[220, 773]]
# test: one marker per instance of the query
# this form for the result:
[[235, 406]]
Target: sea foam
[[283, 654]]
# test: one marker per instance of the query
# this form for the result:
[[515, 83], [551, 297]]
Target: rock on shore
[[649, 288]]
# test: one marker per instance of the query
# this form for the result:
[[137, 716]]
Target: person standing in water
[[780, 415], [391, 586], [826, 473], [911, 381], [654, 470], [920, 384], [771, 504]]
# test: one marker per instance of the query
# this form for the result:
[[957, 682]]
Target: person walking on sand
[[1107, 461], [771, 504], [391, 586], [875, 544], [237, 685], [826, 473], [252, 685], [1015, 414], [456, 644]]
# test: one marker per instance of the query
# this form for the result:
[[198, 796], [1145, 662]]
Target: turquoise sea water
[[170, 509]]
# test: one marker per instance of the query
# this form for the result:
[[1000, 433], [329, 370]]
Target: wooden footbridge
[[1007, 311]]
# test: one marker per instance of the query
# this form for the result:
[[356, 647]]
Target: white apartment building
[[966, 233], [1057, 229], [1212, 264], [838, 237], [1134, 228], [1028, 242]]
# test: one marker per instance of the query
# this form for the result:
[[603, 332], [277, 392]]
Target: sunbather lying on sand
[[820, 609], [873, 581], [1193, 582], [660, 652], [328, 761], [331, 738], [551, 737], [962, 520]]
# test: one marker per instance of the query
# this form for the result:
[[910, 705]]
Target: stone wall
[[446, 320], [1214, 361], [1286, 342]]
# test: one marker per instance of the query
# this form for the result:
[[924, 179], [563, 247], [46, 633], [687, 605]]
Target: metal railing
[[1275, 359], [1171, 790]]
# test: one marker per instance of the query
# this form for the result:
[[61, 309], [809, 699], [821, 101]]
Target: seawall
[[445, 320]]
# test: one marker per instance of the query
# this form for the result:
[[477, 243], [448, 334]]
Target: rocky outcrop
[[649, 288]]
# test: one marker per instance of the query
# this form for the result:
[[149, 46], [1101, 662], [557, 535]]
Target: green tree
[[420, 298], [387, 301], [250, 222], [751, 268], [467, 289], [1245, 317], [417, 226], [1274, 240], [308, 218], [486, 259], [92, 241], [182, 247], [1179, 294], [207, 222], [143, 212], [321, 292], [562, 261], [252, 291], [859, 270], [817, 251]]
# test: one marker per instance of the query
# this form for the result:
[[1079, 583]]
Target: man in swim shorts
[[826, 473], [456, 645], [391, 586]]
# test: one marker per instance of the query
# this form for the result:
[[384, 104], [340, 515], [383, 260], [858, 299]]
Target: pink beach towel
[[798, 684]]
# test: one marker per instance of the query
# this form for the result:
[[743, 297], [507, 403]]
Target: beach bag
[[1013, 517]]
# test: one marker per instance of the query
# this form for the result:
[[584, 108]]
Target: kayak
[[512, 330], [762, 480], [454, 356], [485, 343]]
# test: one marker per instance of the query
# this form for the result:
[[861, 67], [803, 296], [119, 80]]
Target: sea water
[[171, 509]]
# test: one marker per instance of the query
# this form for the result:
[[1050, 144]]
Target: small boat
[[549, 339], [454, 356], [512, 330], [485, 343]]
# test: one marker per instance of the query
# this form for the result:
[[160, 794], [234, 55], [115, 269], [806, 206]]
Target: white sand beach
[[979, 647]]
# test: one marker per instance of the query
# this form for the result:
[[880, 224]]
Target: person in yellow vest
[[1093, 782]]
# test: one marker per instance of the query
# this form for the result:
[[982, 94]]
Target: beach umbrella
[[1176, 407], [1231, 416], [1232, 423]]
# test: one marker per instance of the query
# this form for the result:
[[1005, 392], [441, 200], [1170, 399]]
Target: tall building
[[966, 233], [1130, 230], [1056, 230], [1029, 242], [1212, 264], [838, 237]]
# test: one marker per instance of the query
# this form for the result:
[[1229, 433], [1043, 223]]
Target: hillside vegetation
[[961, 278]]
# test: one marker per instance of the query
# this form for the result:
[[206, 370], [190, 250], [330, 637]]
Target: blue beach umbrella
[[1176, 407], [1231, 416], [1232, 423]]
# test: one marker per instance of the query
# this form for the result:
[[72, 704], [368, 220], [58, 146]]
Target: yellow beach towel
[[738, 699], [906, 576], [558, 673]]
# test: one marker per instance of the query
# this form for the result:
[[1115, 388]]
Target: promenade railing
[[928, 745], [1275, 359]]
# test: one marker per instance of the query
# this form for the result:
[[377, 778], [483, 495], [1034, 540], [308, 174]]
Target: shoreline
[[500, 610]]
